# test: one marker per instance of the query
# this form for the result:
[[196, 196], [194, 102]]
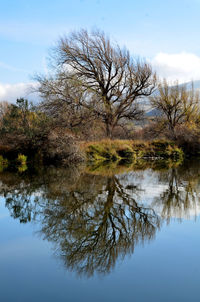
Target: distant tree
[[176, 105], [108, 80]]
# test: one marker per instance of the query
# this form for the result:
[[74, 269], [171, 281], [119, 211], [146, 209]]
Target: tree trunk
[[172, 130], [109, 129]]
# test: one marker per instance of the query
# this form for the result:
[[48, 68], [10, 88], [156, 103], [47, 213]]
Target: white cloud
[[10, 92], [181, 66]]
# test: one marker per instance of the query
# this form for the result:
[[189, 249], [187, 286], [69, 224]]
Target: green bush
[[22, 159]]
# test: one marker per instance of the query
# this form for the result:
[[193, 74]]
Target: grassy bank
[[128, 150], [115, 152]]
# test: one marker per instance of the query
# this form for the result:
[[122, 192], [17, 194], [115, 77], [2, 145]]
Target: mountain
[[188, 85]]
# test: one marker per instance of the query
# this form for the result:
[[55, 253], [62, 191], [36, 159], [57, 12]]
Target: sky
[[166, 33]]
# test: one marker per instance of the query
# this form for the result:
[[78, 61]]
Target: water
[[100, 234]]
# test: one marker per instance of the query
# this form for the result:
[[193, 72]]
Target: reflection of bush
[[108, 168]]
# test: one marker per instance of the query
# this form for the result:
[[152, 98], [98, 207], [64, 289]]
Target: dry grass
[[129, 150]]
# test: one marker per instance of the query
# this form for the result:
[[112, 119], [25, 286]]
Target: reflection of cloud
[[181, 66], [10, 92]]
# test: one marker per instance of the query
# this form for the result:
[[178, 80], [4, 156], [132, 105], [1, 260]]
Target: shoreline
[[104, 152]]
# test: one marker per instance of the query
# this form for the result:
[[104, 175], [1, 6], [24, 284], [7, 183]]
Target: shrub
[[22, 159], [61, 146]]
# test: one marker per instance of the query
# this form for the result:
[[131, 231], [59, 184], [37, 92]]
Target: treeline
[[95, 89]]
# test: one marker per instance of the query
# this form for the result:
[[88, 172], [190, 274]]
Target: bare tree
[[176, 104], [110, 80]]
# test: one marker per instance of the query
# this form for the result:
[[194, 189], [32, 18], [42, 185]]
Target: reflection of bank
[[94, 220]]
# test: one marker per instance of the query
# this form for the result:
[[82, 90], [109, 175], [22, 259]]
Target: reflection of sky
[[3, 211], [147, 184]]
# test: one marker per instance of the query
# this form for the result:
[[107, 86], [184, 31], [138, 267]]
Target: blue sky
[[167, 33]]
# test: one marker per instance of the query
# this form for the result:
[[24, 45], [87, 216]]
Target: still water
[[93, 234]]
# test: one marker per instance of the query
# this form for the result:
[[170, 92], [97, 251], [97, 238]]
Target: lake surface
[[92, 234]]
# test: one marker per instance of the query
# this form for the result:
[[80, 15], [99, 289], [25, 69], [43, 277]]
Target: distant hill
[[196, 85]]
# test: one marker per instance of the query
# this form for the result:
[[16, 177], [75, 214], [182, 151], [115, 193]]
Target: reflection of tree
[[23, 193], [94, 228], [92, 220], [19, 196], [181, 197]]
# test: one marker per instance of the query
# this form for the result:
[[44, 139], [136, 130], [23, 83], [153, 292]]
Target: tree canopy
[[93, 73]]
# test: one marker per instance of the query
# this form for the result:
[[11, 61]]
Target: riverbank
[[118, 152], [129, 150]]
